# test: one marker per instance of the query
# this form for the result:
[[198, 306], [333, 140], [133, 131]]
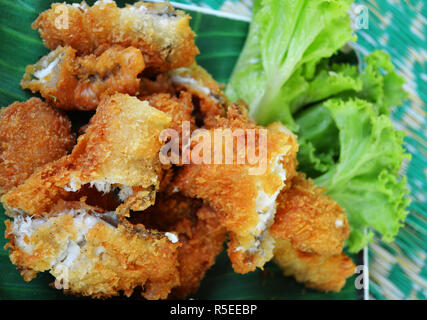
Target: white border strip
[[205, 10], [366, 274]]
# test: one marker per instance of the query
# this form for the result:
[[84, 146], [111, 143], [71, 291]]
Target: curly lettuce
[[376, 83], [381, 85], [286, 41], [292, 70], [365, 180], [356, 154]]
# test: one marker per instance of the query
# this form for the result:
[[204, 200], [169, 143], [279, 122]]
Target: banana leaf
[[220, 41]]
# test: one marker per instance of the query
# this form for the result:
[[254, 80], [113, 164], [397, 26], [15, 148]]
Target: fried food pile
[[106, 214]]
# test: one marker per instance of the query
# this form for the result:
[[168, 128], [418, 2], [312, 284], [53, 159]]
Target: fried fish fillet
[[93, 254], [199, 232], [243, 194], [116, 158], [309, 219], [161, 33], [209, 101], [32, 134], [207, 93], [316, 271], [180, 108], [310, 229], [200, 246], [78, 83], [161, 83]]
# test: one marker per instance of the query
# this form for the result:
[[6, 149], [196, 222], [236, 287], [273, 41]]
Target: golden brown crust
[[32, 134], [160, 84], [180, 108], [320, 272], [231, 191], [79, 83], [209, 101], [199, 251], [120, 147], [199, 231], [208, 97], [309, 219], [162, 34], [108, 261], [310, 229]]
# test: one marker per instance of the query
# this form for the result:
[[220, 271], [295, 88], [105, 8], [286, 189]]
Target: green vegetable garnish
[[286, 40], [364, 181], [287, 72]]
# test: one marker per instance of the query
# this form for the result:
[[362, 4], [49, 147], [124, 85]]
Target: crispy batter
[[161, 33], [117, 153], [160, 84], [91, 257], [309, 219], [199, 232], [208, 98], [210, 101], [32, 134], [180, 109], [79, 83], [320, 272], [169, 212], [310, 229], [245, 203], [199, 251]]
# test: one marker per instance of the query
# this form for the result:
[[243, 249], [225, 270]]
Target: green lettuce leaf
[[286, 36], [290, 70], [318, 140], [381, 85], [365, 180], [327, 82], [377, 83]]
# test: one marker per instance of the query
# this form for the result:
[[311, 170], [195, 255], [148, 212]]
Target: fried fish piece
[[200, 247], [309, 219], [199, 232], [243, 194], [208, 96], [209, 101], [158, 84], [179, 108], [117, 157], [79, 83], [316, 271], [161, 33], [93, 253], [310, 229], [32, 134]]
